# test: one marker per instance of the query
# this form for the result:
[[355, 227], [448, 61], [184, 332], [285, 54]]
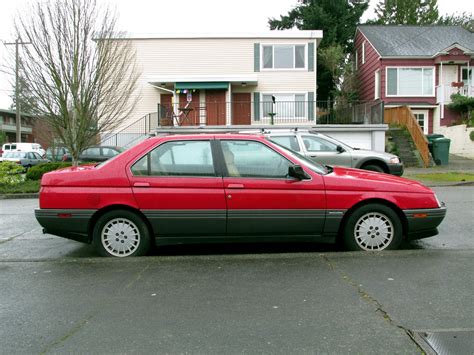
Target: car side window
[[109, 152], [287, 141], [253, 159], [36, 156], [92, 151], [179, 158], [316, 144]]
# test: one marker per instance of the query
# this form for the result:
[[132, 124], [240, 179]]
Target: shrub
[[471, 135], [36, 172], [10, 173]]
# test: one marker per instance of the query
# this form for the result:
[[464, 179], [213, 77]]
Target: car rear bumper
[[423, 223], [71, 224], [396, 169]]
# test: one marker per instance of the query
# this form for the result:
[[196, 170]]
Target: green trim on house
[[256, 106], [209, 85], [256, 57], [311, 56]]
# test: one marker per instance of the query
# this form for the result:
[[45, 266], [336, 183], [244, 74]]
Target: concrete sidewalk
[[456, 164]]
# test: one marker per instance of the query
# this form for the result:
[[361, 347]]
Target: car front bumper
[[423, 223], [395, 169]]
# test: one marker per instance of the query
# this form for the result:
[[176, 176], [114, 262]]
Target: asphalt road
[[58, 297]]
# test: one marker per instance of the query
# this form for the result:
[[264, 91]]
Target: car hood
[[363, 180]]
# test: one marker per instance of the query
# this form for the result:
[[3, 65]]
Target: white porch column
[[228, 105]]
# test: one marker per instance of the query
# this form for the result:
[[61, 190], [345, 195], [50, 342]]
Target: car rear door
[[178, 189], [262, 200]]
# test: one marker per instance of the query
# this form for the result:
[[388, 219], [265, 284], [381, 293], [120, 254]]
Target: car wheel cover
[[374, 231], [120, 237]]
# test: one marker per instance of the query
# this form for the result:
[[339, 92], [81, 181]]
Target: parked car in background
[[329, 151], [57, 153], [230, 187], [96, 154], [24, 147], [26, 159]]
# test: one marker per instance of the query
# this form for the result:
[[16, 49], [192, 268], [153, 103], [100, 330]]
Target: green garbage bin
[[431, 138], [441, 151]]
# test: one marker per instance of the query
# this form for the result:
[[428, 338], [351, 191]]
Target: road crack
[[371, 300]]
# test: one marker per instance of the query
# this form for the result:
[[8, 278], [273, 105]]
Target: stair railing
[[403, 116]]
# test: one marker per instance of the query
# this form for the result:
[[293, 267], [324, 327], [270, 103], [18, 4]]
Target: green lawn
[[443, 177]]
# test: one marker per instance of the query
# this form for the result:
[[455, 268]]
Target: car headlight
[[395, 160]]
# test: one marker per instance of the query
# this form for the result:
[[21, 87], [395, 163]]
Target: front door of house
[[241, 108], [421, 117], [215, 107]]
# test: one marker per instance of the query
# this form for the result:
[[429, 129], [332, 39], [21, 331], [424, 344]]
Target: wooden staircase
[[405, 148], [403, 117]]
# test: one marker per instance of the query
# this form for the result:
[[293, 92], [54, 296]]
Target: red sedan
[[228, 188]]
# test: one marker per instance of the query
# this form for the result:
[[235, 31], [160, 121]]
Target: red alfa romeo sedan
[[229, 188]]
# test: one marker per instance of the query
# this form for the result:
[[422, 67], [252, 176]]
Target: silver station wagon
[[329, 151]]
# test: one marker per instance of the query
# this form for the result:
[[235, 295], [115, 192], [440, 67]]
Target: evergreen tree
[[338, 19], [406, 12]]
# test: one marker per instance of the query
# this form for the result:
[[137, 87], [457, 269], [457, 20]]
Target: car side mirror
[[340, 149], [297, 172]]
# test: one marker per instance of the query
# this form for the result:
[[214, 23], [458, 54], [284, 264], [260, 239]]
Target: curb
[[18, 196]]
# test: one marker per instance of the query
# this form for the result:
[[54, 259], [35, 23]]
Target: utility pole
[[17, 91]]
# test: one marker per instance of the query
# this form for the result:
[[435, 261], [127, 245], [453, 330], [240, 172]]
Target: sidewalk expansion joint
[[369, 299]]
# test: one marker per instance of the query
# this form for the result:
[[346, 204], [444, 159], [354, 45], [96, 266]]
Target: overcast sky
[[160, 16]]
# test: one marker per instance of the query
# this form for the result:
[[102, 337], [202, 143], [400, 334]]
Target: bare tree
[[79, 68]]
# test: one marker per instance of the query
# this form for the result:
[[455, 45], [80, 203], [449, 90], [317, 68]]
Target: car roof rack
[[245, 129]]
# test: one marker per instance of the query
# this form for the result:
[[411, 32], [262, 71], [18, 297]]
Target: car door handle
[[141, 184], [235, 186]]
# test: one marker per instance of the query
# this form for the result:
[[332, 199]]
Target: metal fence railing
[[246, 113]]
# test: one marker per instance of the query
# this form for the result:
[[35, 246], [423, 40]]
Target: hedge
[[36, 172]]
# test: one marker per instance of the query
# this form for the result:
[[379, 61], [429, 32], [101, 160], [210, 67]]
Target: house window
[[363, 52], [285, 106], [466, 76], [377, 85], [410, 81], [283, 56]]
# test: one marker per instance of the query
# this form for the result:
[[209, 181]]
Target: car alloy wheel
[[373, 231], [373, 227], [120, 237], [121, 233]]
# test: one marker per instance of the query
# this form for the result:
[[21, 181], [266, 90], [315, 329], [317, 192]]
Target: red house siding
[[366, 71]]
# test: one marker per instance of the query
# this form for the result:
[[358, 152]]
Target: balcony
[[270, 113], [444, 92]]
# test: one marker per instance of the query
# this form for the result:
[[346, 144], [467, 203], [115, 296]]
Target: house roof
[[416, 41], [286, 34]]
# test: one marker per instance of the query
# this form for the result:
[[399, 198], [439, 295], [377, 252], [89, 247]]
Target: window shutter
[[311, 106], [311, 56], [256, 57], [256, 106]]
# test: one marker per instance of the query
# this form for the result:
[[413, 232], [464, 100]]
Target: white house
[[224, 79]]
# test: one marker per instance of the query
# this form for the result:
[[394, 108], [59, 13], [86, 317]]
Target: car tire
[[373, 167], [373, 227], [121, 233]]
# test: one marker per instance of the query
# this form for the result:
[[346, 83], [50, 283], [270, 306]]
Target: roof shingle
[[416, 41]]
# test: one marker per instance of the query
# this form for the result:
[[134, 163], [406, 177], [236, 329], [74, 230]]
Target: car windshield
[[317, 168]]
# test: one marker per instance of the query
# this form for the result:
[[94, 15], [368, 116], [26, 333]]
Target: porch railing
[[268, 113], [444, 92], [403, 116]]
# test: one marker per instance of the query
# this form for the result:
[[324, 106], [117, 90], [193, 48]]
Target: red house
[[418, 66]]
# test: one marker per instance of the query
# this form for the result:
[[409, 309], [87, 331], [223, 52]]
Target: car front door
[[178, 189], [262, 200], [325, 152]]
